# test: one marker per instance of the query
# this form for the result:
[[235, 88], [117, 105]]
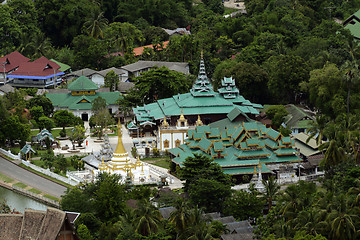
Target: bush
[[62, 133]]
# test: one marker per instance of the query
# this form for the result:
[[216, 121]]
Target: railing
[[73, 175], [51, 174], [160, 173], [10, 154]]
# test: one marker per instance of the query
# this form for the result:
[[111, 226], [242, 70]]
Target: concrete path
[[22, 175]]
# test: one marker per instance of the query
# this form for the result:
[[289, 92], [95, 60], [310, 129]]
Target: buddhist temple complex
[[121, 164], [200, 103], [79, 96], [240, 148]]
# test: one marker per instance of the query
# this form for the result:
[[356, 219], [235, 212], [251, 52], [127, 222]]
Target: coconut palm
[[271, 190], [181, 217], [40, 45], [317, 128], [334, 153], [198, 227], [341, 219], [147, 218], [95, 24]]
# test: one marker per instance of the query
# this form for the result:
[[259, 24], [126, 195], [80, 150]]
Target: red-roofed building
[[41, 73], [139, 50], [9, 63]]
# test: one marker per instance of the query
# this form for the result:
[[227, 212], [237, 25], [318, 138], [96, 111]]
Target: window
[[166, 143], [177, 143]]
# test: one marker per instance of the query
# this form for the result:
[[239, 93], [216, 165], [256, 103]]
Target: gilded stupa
[[121, 163]]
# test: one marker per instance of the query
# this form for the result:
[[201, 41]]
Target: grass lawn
[[155, 159], [159, 161], [162, 163], [5, 178], [51, 197], [20, 185], [46, 176], [40, 163], [34, 190]]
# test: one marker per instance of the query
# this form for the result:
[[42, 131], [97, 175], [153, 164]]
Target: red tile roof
[[12, 60], [41, 67], [139, 50]]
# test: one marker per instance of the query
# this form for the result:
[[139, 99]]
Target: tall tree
[[160, 83], [286, 72], [271, 190], [147, 218], [111, 80], [95, 25], [64, 118]]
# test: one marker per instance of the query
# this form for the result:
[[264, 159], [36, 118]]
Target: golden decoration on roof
[[199, 122], [182, 118], [120, 149], [165, 124]]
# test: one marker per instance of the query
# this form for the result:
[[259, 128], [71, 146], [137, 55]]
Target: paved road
[[46, 186]]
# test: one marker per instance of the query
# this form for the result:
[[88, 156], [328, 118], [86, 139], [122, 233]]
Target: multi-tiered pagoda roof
[[201, 100]]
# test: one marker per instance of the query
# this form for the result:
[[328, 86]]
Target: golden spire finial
[[165, 123], [120, 149], [182, 115], [255, 170], [202, 54], [199, 122]]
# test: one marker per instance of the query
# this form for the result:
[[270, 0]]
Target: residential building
[[177, 31], [139, 50], [52, 224], [135, 69], [41, 73], [98, 77], [81, 93], [352, 23], [298, 120], [10, 63], [5, 89]]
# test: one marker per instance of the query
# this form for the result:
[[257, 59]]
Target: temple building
[[239, 147], [121, 164], [202, 102], [79, 96]]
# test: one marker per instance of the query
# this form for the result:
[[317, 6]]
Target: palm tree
[[352, 74], [292, 205], [334, 153], [181, 217], [342, 218], [40, 45], [317, 128], [271, 190], [95, 24], [198, 227], [147, 218]]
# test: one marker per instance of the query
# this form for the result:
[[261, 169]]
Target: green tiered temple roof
[[201, 99], [80, 96], [240, 149]]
